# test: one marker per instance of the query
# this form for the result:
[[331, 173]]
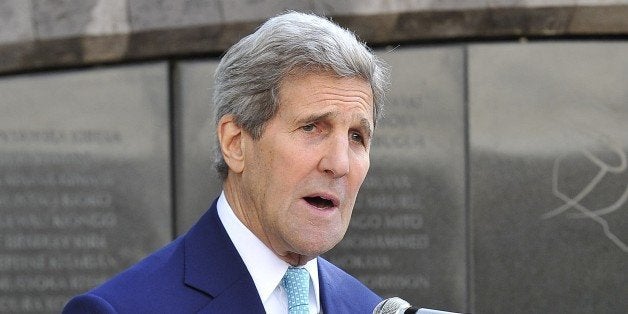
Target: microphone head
[[392, 306]]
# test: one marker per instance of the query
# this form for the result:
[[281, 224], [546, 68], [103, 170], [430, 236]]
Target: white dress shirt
[[266, 268]]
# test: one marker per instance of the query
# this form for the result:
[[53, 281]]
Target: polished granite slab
[[548, 179], [407, 233], [198, 183], [410, 211], [84, 180]]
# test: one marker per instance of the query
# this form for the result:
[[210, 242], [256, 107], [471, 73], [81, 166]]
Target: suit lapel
[[331, 296], [339, 294], [213, 266]]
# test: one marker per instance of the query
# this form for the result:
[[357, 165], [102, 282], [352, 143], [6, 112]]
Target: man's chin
[[313, 250]]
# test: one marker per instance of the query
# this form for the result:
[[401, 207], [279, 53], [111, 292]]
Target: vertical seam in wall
[[467, 181], [172, 125]]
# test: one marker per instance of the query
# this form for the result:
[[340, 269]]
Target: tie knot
[[296, 281]]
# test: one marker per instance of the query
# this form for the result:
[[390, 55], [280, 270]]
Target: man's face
[[301, 178]]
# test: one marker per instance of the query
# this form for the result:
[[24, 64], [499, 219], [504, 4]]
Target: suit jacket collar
[[331, 295], [212, 265], [341, 293]]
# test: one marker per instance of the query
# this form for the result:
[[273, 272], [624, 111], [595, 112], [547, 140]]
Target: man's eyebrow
[[365, 124], [317, 117]]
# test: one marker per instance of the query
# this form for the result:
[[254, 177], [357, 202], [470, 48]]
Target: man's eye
[[357, 137], [308, 128]]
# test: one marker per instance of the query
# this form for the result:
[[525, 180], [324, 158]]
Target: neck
[[245, 210]]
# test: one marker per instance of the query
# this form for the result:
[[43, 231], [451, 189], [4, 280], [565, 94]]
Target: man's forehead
[[327, 95], [301, 74]]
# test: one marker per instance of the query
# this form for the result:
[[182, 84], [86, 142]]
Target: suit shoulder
[[158, 267], [88, 303], [157, 281]]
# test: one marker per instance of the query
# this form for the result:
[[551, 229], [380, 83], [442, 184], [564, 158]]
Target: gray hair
[[248, 78]]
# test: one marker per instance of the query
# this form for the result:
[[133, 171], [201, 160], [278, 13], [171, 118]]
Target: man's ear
[[231, 145]]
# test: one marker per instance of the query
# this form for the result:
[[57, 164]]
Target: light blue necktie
[[296, 281]]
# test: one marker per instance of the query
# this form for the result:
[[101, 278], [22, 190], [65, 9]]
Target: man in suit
[[296, 106]]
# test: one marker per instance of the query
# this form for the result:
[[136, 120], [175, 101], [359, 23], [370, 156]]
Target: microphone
[[397, 305]]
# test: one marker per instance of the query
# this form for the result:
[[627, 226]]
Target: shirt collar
[[266, 268]]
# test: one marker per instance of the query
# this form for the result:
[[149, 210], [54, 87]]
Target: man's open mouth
[[319, 202]]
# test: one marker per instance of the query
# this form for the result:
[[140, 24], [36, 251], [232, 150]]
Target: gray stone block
[[247, 10], [84, 180], [407, 233], [162, 14], [15, 21], [385, 6], [62, 18], [548, 177]]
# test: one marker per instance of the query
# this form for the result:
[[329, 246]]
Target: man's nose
[[335, 159]]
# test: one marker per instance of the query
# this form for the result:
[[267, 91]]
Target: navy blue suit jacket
[[202, 272]]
